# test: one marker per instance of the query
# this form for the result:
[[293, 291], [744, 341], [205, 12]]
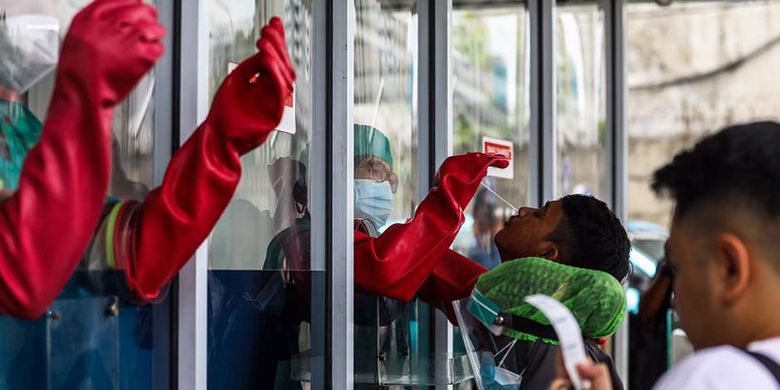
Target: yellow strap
[[110, 235]]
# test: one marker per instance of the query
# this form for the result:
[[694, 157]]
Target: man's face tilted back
[[724, 244], [576, 230], [525, 234]]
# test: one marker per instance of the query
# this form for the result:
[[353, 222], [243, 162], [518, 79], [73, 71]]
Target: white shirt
[[724, 368]]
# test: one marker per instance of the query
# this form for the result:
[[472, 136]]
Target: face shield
[[288, 181], [30, 46], [504, 314], [486, 347]]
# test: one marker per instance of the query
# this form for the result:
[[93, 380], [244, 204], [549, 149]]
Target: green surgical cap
[[595, 298], [369, 141]]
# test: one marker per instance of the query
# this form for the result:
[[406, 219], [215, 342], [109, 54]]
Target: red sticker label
[[289, 101], [504, 150], [501, 147]]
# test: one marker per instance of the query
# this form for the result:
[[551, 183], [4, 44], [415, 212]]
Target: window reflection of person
[[288, 181], [256, 317], [289, 252], [121, 185], [486, 225]]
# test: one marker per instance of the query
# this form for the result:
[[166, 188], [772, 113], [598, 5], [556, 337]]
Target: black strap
[[522, 324], [767, 362]]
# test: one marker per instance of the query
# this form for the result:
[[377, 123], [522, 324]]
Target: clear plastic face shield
[[485, 345], [30, 46], [486, 333]]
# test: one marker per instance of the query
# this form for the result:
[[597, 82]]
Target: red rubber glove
[[452, 279], [246, 108], [397, 263], [202, 176], [47, 224]]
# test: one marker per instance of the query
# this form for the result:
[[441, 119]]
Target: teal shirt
[[20, 130]]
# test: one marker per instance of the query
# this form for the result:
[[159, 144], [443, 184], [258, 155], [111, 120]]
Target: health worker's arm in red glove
[[154, 239], [397, 263], [47, 224], [452, 279]]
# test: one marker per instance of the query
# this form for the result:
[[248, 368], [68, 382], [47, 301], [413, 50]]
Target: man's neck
[[760, 320], [767, 326]]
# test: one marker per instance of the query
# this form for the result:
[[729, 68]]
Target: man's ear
[[733, 261], [548, 250]]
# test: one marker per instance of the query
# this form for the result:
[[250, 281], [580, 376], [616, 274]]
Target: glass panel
[[491, 85], [692, 69], [23, 342], [490, 102], [389, 336], [265, 297], [580, 87]]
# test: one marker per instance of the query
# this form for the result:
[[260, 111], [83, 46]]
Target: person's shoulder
[[723, 367]]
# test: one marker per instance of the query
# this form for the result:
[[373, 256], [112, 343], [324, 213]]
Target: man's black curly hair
[[739, 165], [591, 236]]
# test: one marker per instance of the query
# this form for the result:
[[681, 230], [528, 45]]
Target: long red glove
[[452, 279], [397, 263], [46, 225], [201, 178]]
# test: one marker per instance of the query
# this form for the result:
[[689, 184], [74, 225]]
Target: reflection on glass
[[387, 340], [132, 143], [490, 102], [265, 296], [84, 345], [692, 68], [580, 74]]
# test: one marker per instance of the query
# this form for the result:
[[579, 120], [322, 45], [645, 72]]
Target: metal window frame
[[191, 86], [435, 135], [542, 148], [535, 147], [163, 95], [425, 98], [618, 144], [424, 145], [320, 184], [442, 148], [340, 209], [544, 12], [609, 195]]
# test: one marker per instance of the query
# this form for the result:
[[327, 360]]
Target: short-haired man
[[578, 231], [724, 250]]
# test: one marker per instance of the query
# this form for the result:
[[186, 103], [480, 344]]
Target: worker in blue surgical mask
[[375, 182], [381, 323]]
